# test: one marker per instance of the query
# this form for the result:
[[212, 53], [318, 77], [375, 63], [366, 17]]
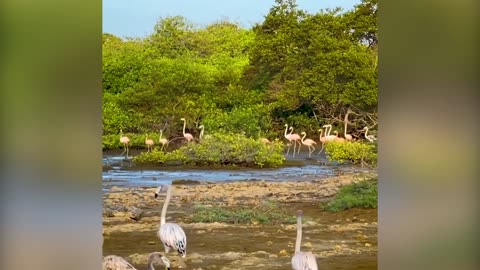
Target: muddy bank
[[346, 240]]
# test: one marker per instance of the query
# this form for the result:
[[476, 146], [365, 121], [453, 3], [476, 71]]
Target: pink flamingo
[[323, 140], [187, 136], [162, 141], [338, 139], [295, 138], [309, 143], [149, 143], [125, 140], [289, 138]]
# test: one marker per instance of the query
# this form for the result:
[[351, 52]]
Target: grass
[[359, 195], [266, 213]]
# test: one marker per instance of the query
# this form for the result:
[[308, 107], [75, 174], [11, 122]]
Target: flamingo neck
[[291, 131], [161, 133], [201, 133], [346, 124], [304, 135], [165, 205], [286, 128], [184, 124], [321, 132], [299, 234], [366, 132]]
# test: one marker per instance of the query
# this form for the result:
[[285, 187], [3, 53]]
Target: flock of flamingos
[[291, 138], [174, 238]]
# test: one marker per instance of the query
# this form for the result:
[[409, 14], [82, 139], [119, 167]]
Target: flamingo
[[348, 137], [338, 139], [371, 138], [309, 143], [302, 260], [125, 140], [187, 136], [148, 142], [161, 140], [295, 138], [171, 234], [289, 138], [323, 140], [201, 131], [114, 262]]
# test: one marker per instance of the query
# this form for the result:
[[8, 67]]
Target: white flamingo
[[114, 262], [309, 143], [201, 131], [348, 137], [302, 260], [370, 138], [171, 234]]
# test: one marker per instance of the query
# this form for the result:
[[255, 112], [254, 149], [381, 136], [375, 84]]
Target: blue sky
[[136, 18]]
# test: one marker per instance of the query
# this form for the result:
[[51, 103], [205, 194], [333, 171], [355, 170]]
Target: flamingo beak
[[156, 195]]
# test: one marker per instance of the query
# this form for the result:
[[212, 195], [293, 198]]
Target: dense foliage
[[221, 149], [355, 152], [297, 68], [361, 195]]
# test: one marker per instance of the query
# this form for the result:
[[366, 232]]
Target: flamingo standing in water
[[149, 143], [125, 140], [171, 234], [370, 138], [162, 141], [114, 262], [302, 260], [289, 138], [309, 143], [323, 140], [187, 136], [295, 138]]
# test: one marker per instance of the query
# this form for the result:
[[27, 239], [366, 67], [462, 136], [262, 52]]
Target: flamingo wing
[[113, 262], [173, 236]]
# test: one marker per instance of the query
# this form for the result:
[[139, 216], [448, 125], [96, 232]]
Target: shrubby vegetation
[[355, 152], [294, 67], [267, 213], [362, 195], [221, 149]]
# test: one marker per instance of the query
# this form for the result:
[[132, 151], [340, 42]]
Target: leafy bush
[[266, 213], [362, 195], [351, 151], [160, 157], [222, 149]]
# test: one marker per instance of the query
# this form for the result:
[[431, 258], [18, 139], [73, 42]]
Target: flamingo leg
[[294, 147], [124, 149], [288, 150], [321, 149], [299, 146], [127, 151]]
